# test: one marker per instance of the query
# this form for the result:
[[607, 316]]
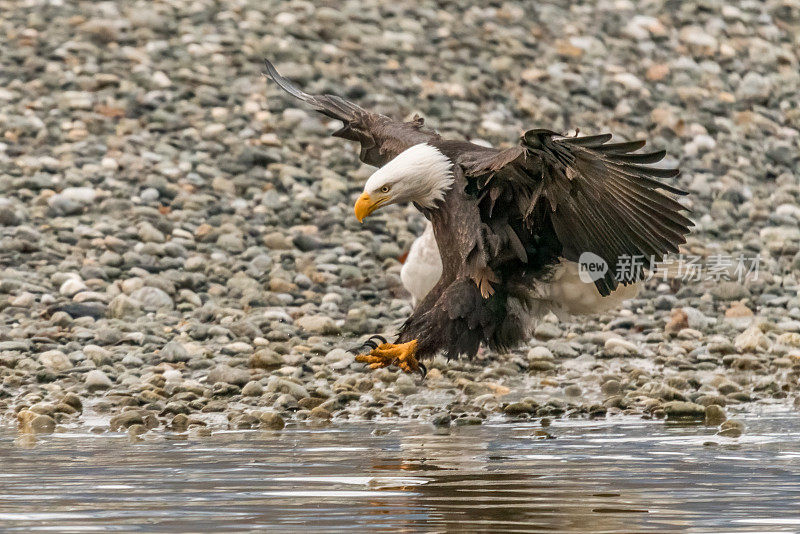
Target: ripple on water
[[615, 475]]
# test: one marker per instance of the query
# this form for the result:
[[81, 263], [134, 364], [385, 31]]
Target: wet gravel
[[177, 245]]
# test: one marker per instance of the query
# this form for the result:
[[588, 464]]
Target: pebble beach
[[178, 251]]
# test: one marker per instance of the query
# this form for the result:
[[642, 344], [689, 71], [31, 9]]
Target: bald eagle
[[510, 225]]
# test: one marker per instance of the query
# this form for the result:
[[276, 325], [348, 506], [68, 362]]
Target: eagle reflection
[[468, 482]]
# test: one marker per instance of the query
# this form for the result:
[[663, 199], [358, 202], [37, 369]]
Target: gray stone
[[730, 291], [42, 424], [252, 389], [122, 307], [731, 428], [715, 415], [754, 87], [174, 351], [150, 234], [228, 375], [282, 385], [96, 379], [318, 324], [153, 298], [125, 419], [266, 359], [684, 410], [55, 360], [272, 421], [547, 331]]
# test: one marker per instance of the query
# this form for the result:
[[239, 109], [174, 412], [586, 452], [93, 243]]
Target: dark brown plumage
[[512, 214]]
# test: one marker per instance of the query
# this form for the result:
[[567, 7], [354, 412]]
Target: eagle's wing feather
[[599, 197], [381, 137]]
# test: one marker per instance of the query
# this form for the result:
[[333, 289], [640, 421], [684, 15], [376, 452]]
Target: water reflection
[[618, 476]]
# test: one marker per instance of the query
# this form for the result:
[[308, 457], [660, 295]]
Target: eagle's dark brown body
[[512, 214]]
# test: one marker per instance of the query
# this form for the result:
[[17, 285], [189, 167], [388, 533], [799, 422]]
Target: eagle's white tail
[[563, 290], [423, 266]]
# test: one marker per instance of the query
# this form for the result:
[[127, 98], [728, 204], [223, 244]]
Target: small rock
[[173, 376], [180, 422], [72, 287], [84, 195], [696, 319], [441, 420], [70, 399], [97, 379], [23, 300], [310, 403], [125, 419], [746, 362], [752, 339], [122, 307], [699, 41], [176, 407], [729, 290], [684, 410], [174, 352], [318, 324], [276, 241], [468, 421], [715, 415], [271, 421], [252, 389], [731, 428], [306, 243], [150, 234], [153, 298], [282, 385], [519, 408], [754, 87], [136, 430], [237, 347], [738, 310], [55, 360], [619, 344], [42, 424], [547, 331], [228, 375], [611, 387], [339, 359], [320, 414], [677, 322], [266, 359], [541, 366], [540, 353]]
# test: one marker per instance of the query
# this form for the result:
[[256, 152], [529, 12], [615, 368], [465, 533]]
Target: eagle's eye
[[385, 189]]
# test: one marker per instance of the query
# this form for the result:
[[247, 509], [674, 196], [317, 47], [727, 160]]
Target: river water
[[618, 475]]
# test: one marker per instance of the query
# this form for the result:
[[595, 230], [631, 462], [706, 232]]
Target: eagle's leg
[[403, 355]]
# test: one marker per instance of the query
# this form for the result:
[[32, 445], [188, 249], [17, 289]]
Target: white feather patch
[[423, 266]]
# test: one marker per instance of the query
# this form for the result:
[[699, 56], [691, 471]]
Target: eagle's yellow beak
[[365, 205]]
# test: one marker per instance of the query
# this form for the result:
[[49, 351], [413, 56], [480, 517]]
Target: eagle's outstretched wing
[[599, 197], [381, 137]]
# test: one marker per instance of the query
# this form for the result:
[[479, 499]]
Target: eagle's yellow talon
[[402, 355]]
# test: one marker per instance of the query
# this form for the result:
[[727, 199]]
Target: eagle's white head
[[420, 174]]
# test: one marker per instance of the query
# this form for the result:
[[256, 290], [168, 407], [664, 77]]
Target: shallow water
[[622, 475]]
